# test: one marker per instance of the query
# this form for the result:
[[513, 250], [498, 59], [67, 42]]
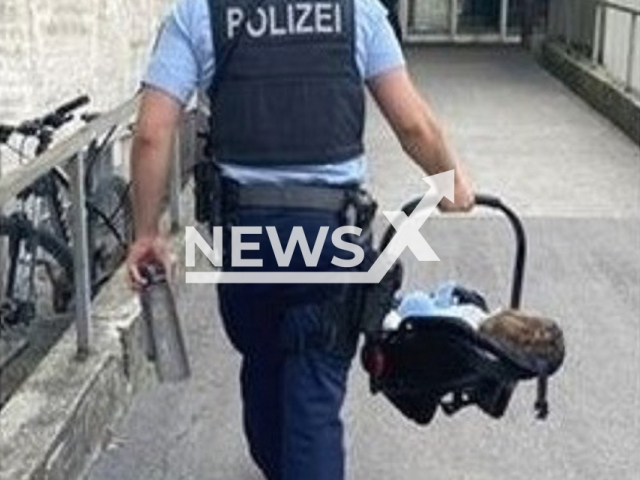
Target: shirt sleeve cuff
[[385, 68], [168, 86]]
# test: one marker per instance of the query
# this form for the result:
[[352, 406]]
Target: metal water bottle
[[166, 345]]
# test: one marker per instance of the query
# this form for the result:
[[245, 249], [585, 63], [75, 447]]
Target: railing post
[[454, 19], [82, 282], [597, 34], [175, 185], [504, 15], [3, 246], [632, 51], [568, 30]]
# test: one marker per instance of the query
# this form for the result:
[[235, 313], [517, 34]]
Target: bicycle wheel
[[54, 263], [110, 228]]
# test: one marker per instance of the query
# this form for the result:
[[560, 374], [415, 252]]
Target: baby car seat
[[424, 351]]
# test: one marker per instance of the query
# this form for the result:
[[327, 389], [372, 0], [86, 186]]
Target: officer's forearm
[[413, 121], [425, 143], [149, 172], [150, 157]]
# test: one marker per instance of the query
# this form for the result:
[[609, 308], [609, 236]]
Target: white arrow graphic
[[408, 228], [407, 236]]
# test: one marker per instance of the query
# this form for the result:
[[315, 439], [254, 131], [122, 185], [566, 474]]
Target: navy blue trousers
[[292, 387]]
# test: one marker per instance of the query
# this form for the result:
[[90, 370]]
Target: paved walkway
[[576, 180]]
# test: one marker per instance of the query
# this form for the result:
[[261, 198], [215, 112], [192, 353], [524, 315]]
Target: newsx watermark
[[407, 236]]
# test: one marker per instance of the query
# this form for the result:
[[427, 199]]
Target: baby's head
[[529, 334]]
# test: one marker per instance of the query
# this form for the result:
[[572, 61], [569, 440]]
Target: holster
[[336, 320], [208, 192], [362, 307], [357, 308]]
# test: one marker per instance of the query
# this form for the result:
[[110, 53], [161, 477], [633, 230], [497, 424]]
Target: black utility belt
[[218, 196], [353, 204], [293, 197]]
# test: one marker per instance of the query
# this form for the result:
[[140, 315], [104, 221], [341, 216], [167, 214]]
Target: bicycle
[[36, 240]]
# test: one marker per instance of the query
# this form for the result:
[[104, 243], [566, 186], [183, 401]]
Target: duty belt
[[304, 197]]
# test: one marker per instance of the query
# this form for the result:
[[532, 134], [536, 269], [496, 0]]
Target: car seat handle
[[521, 244], [495, 203]]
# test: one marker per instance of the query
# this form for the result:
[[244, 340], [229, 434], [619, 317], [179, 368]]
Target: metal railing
[[599, 36], [69, 152], [3, 243], [571, 21]]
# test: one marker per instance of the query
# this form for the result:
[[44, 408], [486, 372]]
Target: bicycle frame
[[20, 284], [23, 252], [42, 202]]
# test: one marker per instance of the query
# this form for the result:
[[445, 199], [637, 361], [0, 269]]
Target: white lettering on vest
[[296, 18], [273, 23], [263, 24], [290, 18], [324, 18], [235, 16], [304, 9], [338, 18]]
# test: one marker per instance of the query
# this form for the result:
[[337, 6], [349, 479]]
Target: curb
[[595, 87], [57, 422]]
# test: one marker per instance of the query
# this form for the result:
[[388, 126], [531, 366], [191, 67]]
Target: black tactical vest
[[287, 88]]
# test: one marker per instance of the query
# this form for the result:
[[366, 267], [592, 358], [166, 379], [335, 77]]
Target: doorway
[[461, 21]]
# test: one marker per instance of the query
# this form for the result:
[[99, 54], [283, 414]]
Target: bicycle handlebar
[[61, 115], [89, 117], [53, 120], [72, 105]]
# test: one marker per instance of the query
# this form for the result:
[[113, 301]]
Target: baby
[[524, 335]]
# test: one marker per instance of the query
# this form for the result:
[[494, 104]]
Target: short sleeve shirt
[[183, 62]]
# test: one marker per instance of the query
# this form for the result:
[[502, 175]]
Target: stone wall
[[52, 50]]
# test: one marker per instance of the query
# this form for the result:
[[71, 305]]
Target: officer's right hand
[[464, 195], [145, 250]]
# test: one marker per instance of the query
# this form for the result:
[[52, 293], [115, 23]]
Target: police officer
[[286, 80]]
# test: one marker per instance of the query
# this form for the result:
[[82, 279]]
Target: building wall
[[52, 50]]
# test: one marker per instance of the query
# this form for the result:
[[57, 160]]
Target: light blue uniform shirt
[[183, 62]]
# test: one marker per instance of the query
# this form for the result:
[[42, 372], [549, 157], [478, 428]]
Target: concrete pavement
[[520, 132], [576, 179]]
